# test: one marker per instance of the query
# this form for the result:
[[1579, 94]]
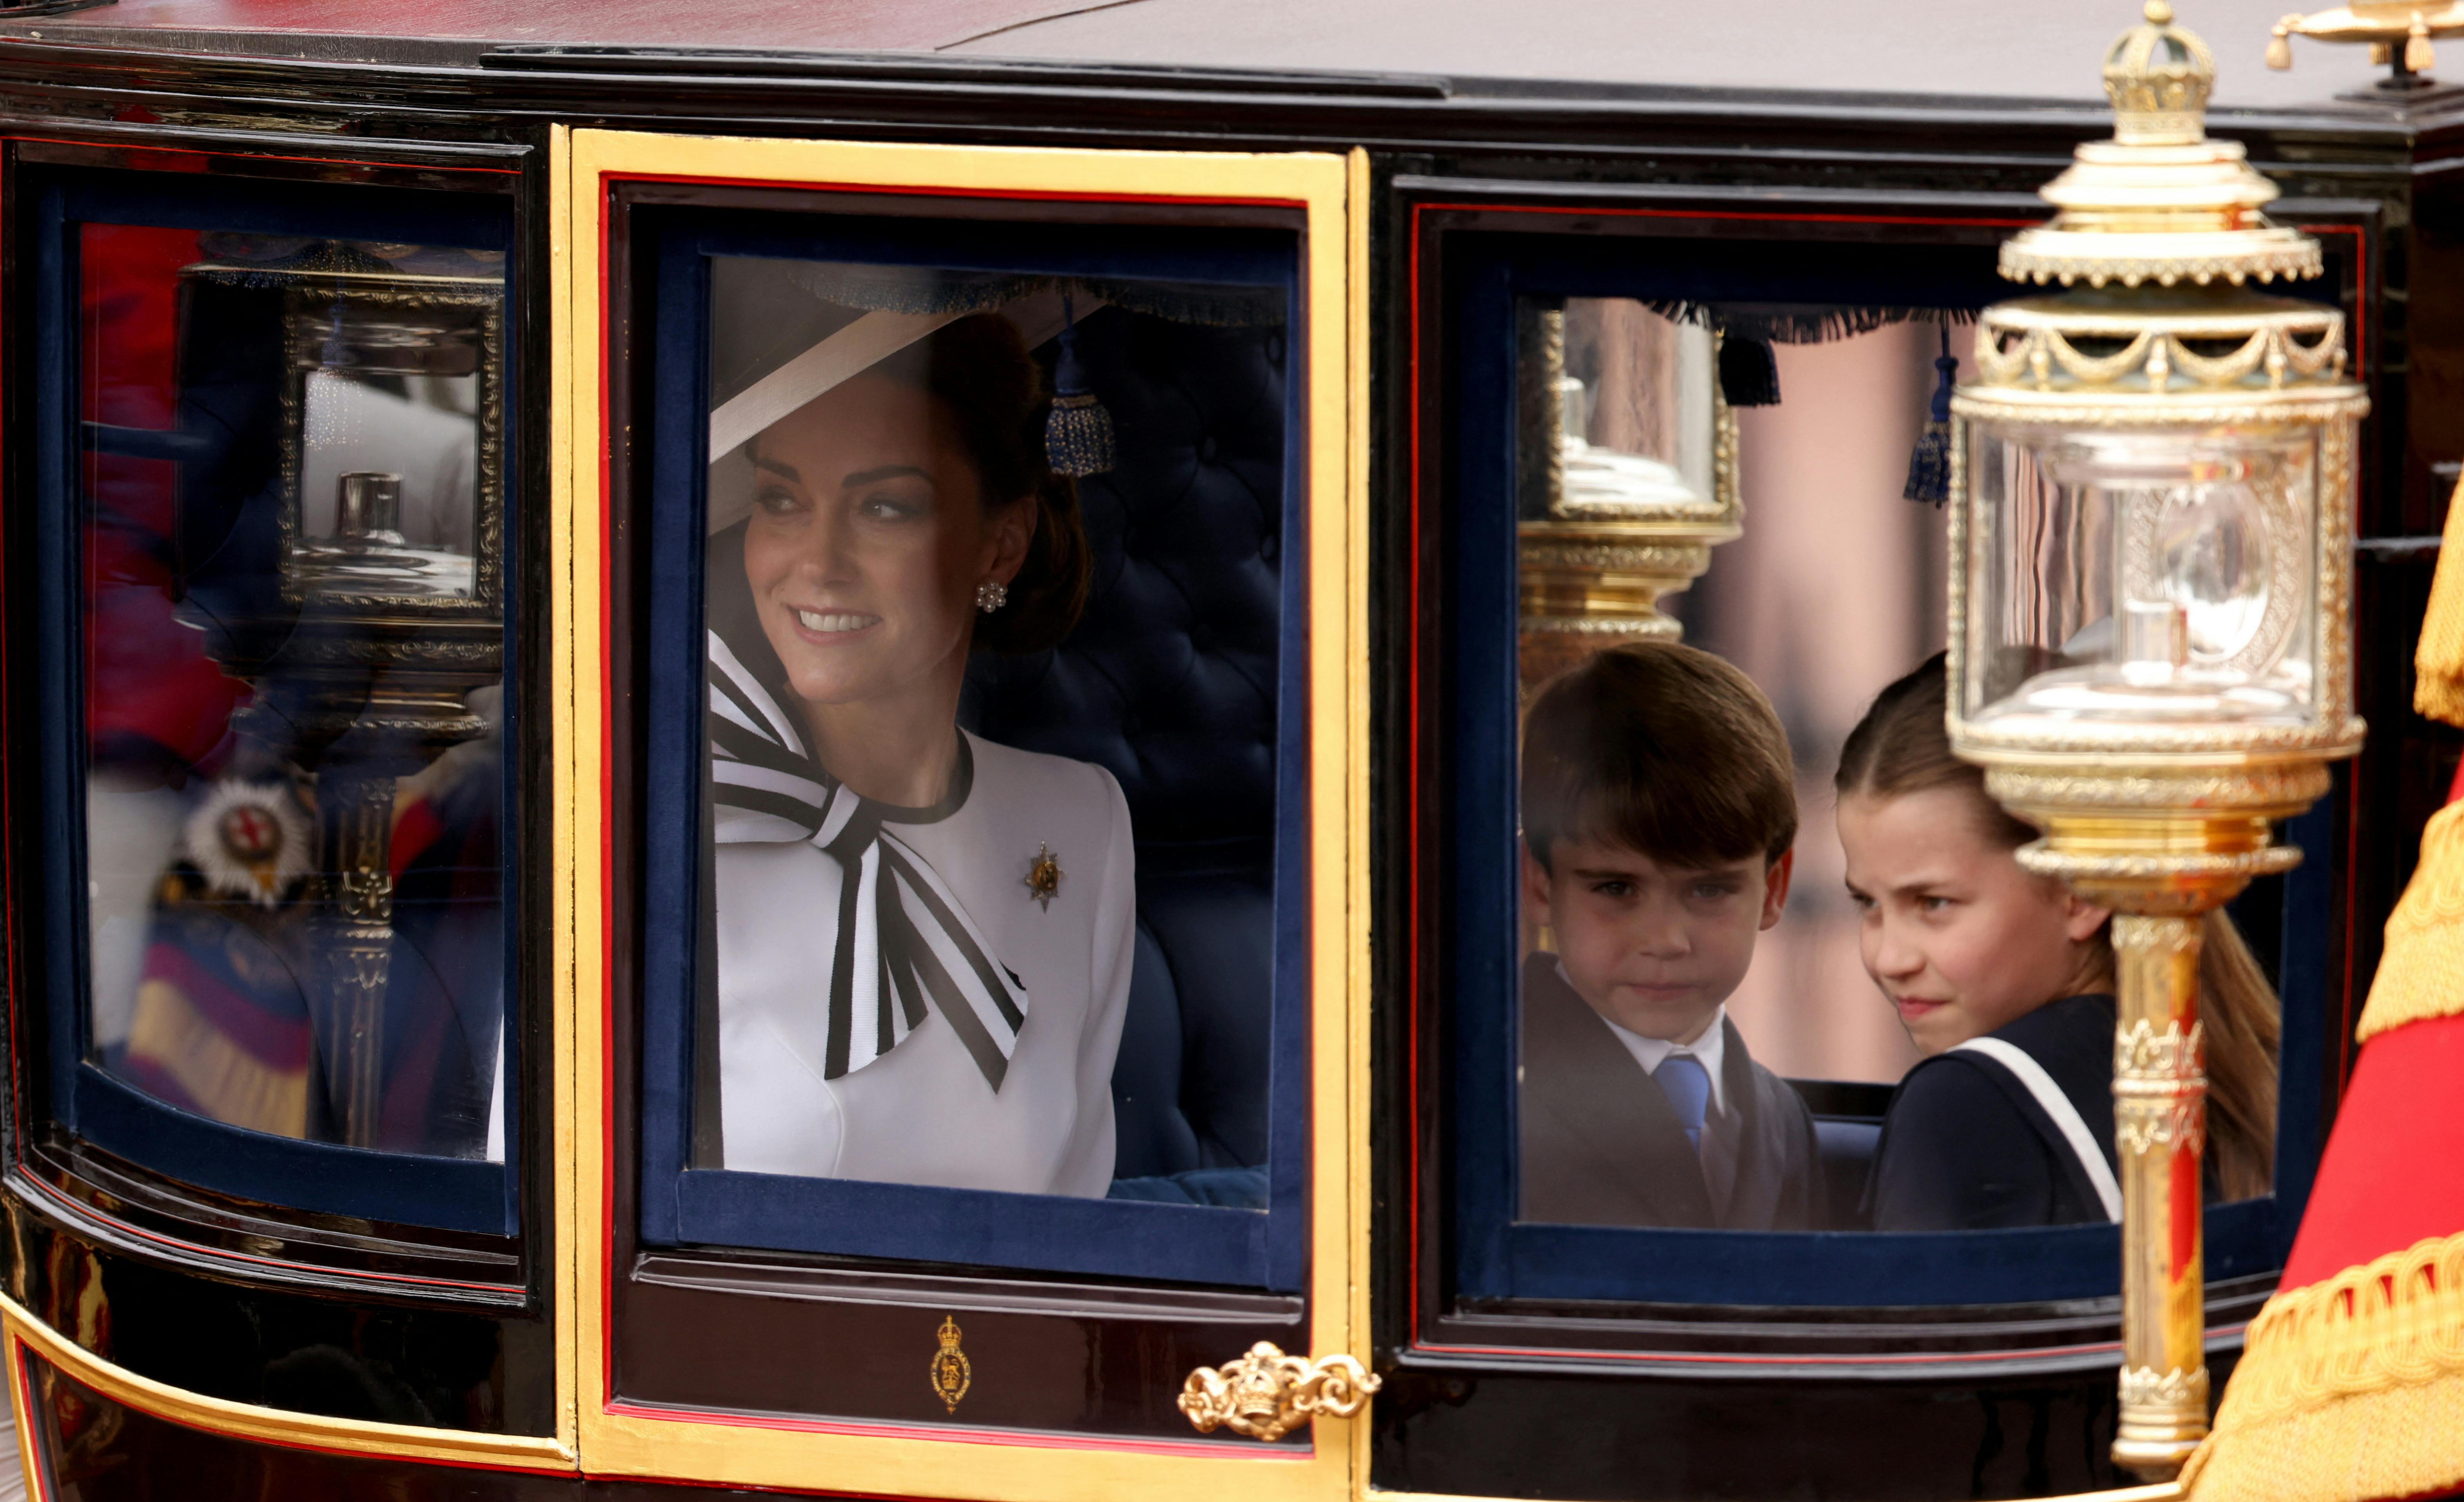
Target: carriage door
[[960, 592]]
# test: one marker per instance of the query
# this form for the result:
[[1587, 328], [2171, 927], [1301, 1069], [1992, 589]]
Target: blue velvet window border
[[685, 1205], [1498, 1257], [399, 1188]]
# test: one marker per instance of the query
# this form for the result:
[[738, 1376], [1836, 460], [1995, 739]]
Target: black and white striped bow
[[902, 938]]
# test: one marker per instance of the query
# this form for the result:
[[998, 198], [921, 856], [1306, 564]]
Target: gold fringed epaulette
[[2438, 661], [2422, 973], [2349, 1389]]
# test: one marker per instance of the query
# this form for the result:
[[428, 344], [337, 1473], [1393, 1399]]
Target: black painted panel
[[1873, 1441], [95, 1450], [401, 1362]]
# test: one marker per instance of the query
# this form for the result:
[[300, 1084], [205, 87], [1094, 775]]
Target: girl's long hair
[[1901, 746]]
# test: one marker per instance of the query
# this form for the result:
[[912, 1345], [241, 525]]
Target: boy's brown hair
[[1663, 749]]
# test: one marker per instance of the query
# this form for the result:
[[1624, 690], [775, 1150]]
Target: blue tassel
[[1929, 466], [1078, 435]]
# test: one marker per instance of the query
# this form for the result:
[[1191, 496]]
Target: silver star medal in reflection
[[248, 839], [1043, 877]]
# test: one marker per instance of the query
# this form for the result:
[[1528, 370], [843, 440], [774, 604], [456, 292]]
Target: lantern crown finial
[[2160, 202], [2159, 77]]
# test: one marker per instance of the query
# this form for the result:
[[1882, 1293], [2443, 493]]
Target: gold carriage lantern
[[1603, 534], [2151, 612], [388, 614]]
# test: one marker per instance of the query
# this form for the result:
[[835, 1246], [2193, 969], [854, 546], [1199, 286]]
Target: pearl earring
[[991, 595]]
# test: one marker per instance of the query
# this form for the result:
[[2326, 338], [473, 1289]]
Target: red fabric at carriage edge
[[2393, 1173]]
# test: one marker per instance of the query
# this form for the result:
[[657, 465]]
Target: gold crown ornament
[[2159, 78], [2160, 202]]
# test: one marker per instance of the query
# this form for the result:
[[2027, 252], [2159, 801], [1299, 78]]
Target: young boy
[[1659, 808]]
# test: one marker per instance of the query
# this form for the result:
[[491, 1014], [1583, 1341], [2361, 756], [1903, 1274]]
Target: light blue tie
[[1687, 1085]]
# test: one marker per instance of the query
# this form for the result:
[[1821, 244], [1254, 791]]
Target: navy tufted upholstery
[[1169, 684]]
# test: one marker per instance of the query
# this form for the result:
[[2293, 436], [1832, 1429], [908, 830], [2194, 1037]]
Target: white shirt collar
[[1650, 1053]]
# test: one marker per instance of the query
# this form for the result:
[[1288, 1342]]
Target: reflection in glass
[[1624, 469], [1835, 588], [1657, 799], [293, 714], [991, 614], [1639, 397], [1834, 592]]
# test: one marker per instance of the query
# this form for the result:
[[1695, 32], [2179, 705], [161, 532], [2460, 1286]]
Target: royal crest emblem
[[952, 1372]]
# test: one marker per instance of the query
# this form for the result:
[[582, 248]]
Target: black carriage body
[[340, 1318]]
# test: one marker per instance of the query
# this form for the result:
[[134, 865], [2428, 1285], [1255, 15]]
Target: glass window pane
[[1738, 986], [997, 653], [292, 610], [927, 938]]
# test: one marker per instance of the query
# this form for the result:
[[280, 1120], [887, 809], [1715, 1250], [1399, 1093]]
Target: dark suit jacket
[[1603, 1147], [1966, 1147]]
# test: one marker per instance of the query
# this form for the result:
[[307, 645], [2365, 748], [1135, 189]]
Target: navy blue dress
[[1966, 1147]]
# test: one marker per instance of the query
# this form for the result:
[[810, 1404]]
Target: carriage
[[379, 383]]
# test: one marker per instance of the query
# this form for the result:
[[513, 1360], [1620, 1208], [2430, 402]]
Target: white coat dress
[[924, 1111]]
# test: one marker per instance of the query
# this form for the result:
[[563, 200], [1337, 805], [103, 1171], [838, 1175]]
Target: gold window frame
[[1331, 193]]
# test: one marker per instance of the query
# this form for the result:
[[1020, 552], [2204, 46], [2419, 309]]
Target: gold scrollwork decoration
[[1632, 626], [2033, 346], [1265, 1394], [2280, 785], [2121, 410], [1686, 559], [1719, 514], [2176, 1119], [2140, 1052], [2146, 1387], [2045, 860], [2154, 934], [2328, 737]]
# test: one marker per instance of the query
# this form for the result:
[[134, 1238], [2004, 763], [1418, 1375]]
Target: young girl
[[2004, 981]]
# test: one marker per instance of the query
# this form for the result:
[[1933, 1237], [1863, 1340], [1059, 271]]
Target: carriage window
[[1777, 968], [990, 665], [289, 741]]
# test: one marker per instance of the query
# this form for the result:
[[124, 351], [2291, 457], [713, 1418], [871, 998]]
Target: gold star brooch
[[1043, 877]]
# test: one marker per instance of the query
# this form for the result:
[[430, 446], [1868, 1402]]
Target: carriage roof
[[1911, 55]]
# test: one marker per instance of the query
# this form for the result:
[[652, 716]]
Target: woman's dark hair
[[1903, 745], [995, 392]]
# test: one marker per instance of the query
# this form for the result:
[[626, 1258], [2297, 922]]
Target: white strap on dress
[[2057, 1106]]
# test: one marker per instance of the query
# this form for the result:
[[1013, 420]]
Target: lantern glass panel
[[1617, 409], [2142, 577], [392, 465], [386, 410]]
